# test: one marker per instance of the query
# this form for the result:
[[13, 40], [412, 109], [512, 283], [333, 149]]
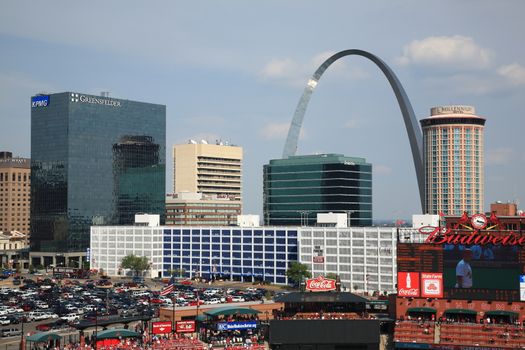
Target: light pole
[[348, 216], [22, 338]]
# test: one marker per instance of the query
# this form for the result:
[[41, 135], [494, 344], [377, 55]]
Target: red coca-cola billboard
[[320, 284], [408, 284], [161, 327], [185, 326]]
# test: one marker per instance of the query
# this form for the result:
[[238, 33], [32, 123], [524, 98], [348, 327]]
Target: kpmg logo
[[40, 101], [94, 100]]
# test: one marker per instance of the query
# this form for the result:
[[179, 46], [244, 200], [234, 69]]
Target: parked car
[[11, 332]]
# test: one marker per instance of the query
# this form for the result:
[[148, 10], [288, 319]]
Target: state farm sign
[[408, 284], [320, 284], [432, 284], [161, 327]]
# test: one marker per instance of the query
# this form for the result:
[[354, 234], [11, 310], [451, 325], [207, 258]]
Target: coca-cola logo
[[412, 292], [320, 284]]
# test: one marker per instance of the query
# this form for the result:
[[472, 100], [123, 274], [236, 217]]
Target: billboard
[[320, 284], [431, 285], [161, 327], [185, 326], [230, 326], [40, 101], [408, 284], [472, 272]]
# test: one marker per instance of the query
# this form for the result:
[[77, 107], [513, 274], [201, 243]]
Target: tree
[[176, 272], [331, 275], [297, 272], [138, 264]]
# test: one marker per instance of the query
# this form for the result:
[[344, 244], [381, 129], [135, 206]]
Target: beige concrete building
[[208, 169], [453, 152], [207, 185], [15, 193], [195, 209]]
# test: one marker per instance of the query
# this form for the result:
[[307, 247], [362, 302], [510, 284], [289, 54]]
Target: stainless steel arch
[[415, 136]]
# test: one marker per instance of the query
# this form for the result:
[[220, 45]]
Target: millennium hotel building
[[453, 156], [95, 160]]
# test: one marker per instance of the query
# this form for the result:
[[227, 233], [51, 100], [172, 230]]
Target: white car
[[237, 299], [4, 321], [70, 317], [212, 301]]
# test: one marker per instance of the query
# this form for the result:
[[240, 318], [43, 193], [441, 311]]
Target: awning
[[229, 310], [202, 317], [502, 313], [43, 337], [320, 297], [422, 309], [461, 311], [117, 333]]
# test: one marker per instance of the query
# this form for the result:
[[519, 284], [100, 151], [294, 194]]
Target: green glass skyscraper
[[299, 187], [95, 160]]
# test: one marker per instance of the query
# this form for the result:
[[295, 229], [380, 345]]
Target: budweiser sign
[[320, 284], [408, 284]]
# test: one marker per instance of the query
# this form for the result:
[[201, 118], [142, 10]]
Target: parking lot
[[41, 303]]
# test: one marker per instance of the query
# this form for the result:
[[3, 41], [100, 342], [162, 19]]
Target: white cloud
[[500, 156], [352, 124], [381, 169], [278, 131], [446, 51], [287, 71], [514, 73]]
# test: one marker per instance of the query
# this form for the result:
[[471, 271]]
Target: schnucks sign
[[320, 284], [231, 326], [161, 327], [185, 326], [478, 229]]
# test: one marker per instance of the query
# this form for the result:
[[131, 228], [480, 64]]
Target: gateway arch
[[415, 136]]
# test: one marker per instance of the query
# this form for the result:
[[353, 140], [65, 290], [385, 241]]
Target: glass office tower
[[95, 161], [299, 187]]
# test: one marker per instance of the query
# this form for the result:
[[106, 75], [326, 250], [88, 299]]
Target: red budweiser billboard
[[185, 326], [161, 327], [431, 285], [320, 284], [408, 284]]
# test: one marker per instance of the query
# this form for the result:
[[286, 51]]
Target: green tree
[[138, 264], [331, 275], [297, 272]]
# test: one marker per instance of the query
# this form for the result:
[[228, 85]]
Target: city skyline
[[236, 73]]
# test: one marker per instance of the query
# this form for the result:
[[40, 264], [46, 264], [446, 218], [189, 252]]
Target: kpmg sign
[[230, 326], [40, 101], [94, 100]]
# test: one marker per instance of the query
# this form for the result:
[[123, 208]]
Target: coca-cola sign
[[408, 284], [320, 284]]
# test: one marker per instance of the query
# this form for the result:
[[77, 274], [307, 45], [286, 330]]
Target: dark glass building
[[96, 160], [299, 187]]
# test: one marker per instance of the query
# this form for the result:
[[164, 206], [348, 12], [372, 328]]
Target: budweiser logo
[[412, 292], [320, 284]]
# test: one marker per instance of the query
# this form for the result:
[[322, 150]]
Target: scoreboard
[[419, 257], [496, 274]]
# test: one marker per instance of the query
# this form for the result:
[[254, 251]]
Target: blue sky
[[235, 70]]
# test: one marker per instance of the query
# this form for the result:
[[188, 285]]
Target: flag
[[169, 288]]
